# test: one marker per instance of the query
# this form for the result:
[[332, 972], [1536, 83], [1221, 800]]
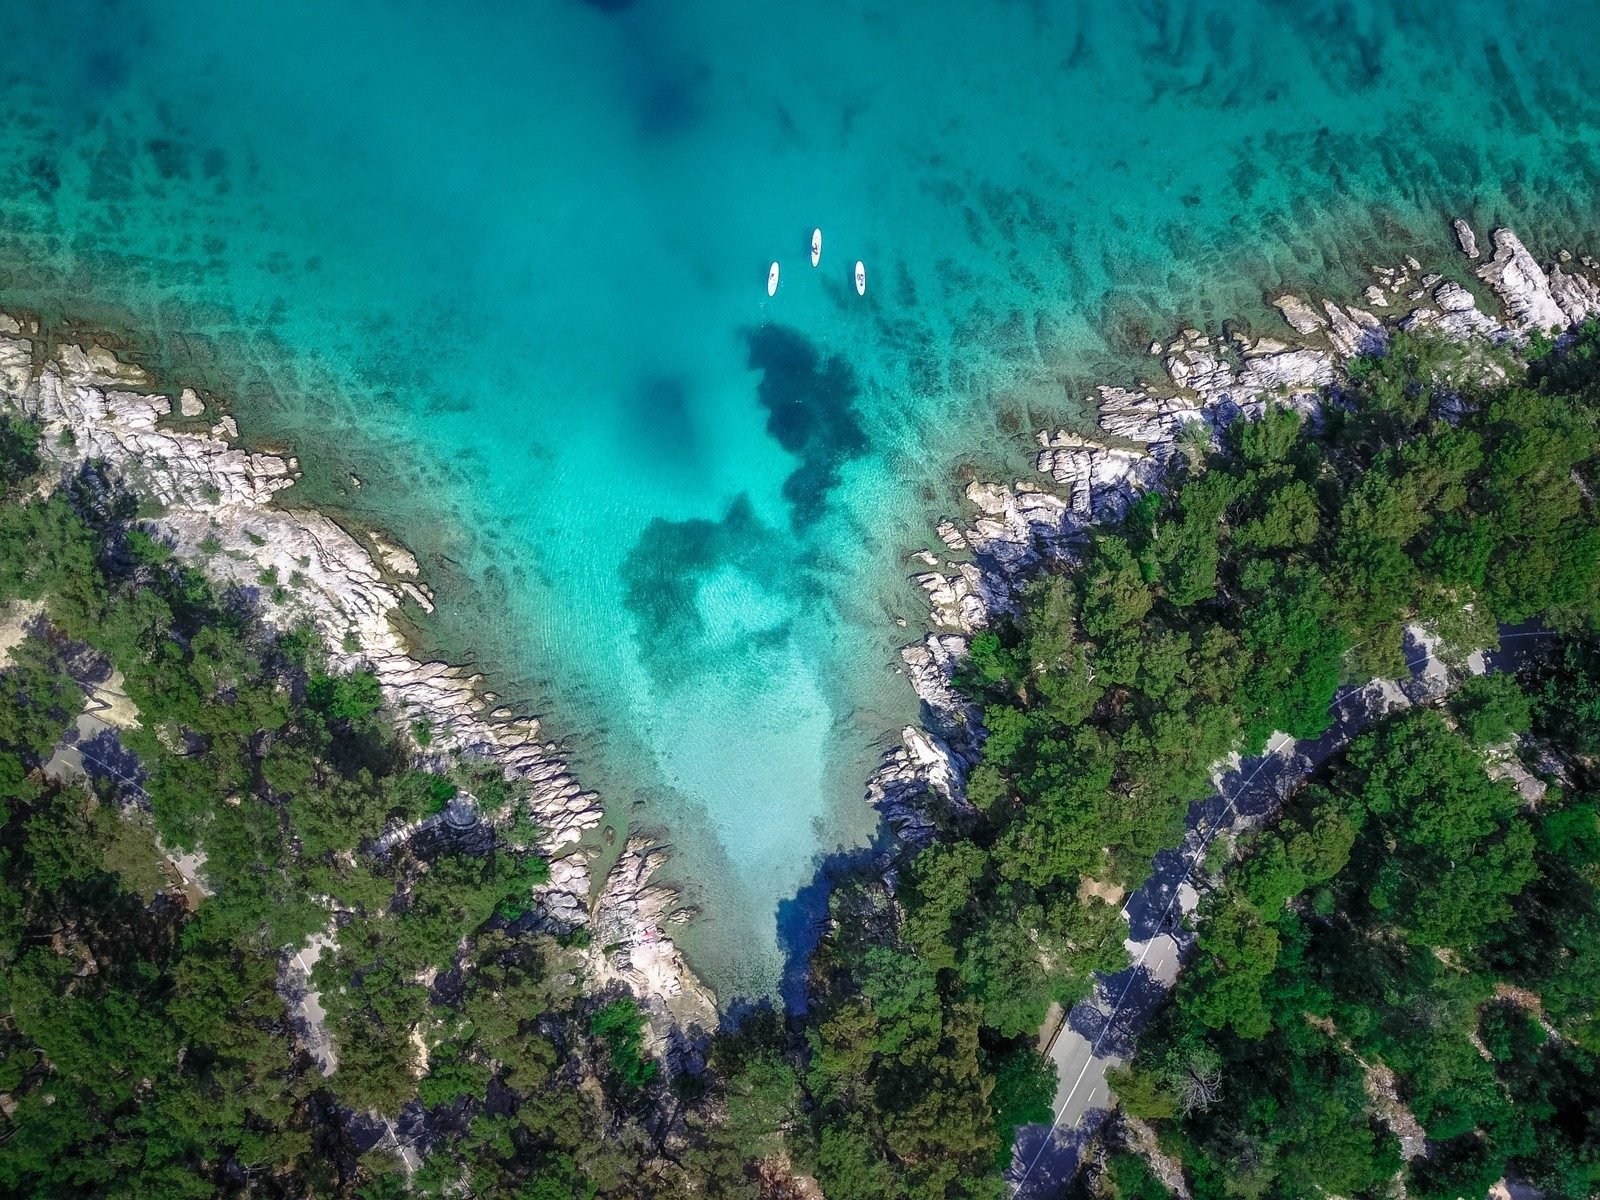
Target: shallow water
[[505, 262]]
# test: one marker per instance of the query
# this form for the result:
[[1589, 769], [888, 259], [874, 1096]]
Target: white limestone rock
[[1291, 372], [422, 599], [1522, 285], [951, 536], [1504, 764], [1263, 345], [1200, 371], [630, 944], [188, 472], [1099, 475], [1458, 316], [95, 366], [1097, 478], [1452, 297], [1014, 522], [1354, 331], [957, 600], [930, 666], [1140, 417], [221, 512], [1465, 238], [1576, 294], [564, 896], [16, 363], [1302, 318], [393, 555], [920, 771]]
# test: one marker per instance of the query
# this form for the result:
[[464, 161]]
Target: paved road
[[1100, 1032], [294, 985]]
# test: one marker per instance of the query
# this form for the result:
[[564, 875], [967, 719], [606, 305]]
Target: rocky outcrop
[[1211, 382], [1302, 318], [224, 508], [1523, 286], [1457, 316], [1576, 295], [1095, 476], [630, 944]]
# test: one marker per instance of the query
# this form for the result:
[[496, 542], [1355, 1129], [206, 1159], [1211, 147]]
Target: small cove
[[507, 269]]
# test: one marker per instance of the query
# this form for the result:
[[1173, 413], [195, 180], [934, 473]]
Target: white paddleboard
[[772, 280], [861, 277], [816, 246]]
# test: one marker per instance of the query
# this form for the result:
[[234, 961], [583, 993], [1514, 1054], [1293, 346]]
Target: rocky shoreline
[[1087, 478], [223, 509]]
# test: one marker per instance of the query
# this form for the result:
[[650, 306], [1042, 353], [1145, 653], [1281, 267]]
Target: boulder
[[1522, 286], [1302, 318]]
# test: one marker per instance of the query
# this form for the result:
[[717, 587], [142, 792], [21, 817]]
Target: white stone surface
[[1522, 285], [1141, 432], [224, 511]]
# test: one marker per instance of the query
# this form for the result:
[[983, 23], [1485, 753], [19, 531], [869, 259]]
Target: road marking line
[[1094, 1050]]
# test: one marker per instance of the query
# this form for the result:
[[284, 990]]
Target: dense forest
[[147, 1047], [1232, 603], [1407, 911], [1414, 938]]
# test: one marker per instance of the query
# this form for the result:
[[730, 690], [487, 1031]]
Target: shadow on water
[[664, 576], [802, 920]]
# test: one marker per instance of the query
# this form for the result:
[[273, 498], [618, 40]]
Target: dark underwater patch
[[810, 400], [106, 71], [669, 102], [610, 6], [660, 403], [661, 581], [1507, 95]]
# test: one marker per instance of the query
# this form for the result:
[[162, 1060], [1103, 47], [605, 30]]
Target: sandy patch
[[1109, 892], [109, 702], [15, 618]]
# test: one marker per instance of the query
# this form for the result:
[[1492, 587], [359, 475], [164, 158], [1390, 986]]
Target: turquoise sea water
[[505, 261]]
